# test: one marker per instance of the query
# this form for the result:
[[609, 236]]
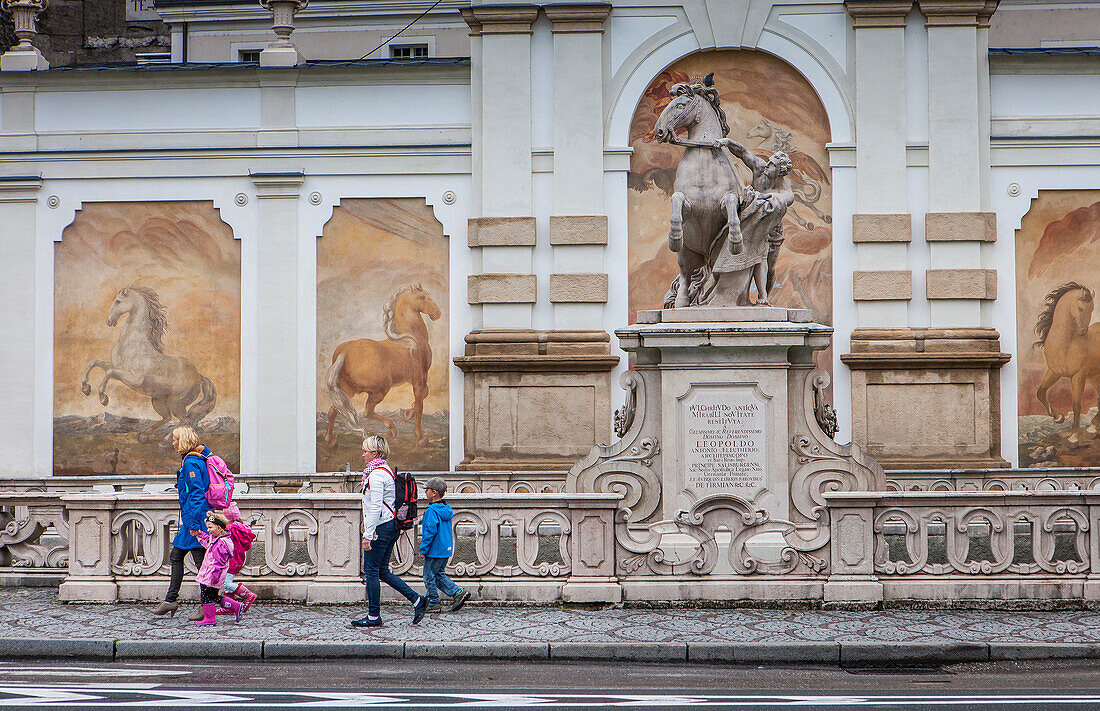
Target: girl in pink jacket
[[215, 566]]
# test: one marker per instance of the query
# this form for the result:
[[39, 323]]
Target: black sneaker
[[434, 607], [367, 622], [419, 607], [460, 600]]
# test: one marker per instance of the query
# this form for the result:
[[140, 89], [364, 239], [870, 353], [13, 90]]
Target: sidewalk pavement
[[35, 624]]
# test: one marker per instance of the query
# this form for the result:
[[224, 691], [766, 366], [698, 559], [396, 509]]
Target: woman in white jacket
[[380, 533]]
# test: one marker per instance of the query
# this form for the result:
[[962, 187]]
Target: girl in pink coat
[[215, 566]]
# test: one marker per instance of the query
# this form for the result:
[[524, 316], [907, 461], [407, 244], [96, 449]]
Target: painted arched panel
[[770, 107], [1057, 333], [383, 352], [147, 336]]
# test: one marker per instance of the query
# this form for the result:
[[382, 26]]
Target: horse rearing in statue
[[1071, 347], [376, 367], [138, 360], [707, 188]]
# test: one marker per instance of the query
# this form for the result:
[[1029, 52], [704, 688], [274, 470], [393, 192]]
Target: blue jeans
[[434, 575], [376, 567]]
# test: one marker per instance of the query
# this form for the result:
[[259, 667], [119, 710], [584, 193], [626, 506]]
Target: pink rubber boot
[[208, 612], [246, 596], [233, 606]]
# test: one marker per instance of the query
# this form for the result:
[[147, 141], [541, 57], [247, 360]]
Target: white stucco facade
[[520, 123]]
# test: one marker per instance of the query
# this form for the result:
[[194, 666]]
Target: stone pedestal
[[724, 377], [927, 398], [535, 400], [724, 454]]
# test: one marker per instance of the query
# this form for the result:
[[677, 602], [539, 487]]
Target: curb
[[843, 654]]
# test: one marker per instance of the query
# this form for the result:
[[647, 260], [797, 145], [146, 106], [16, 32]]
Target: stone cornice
[[577, 17], [500, 19], [878, 13], [957, 13]]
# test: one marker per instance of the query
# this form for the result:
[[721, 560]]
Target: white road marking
[[148, 696]]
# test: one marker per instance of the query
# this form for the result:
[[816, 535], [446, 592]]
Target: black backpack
[[404, 505]]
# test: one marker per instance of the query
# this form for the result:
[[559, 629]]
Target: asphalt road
[[414, 684]]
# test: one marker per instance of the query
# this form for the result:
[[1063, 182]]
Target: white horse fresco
[[138, 360]]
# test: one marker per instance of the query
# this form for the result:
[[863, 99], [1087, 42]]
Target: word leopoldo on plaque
[[725, 443]]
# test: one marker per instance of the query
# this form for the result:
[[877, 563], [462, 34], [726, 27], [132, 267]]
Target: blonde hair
[[219, 518], [187, 437], [377, 443]]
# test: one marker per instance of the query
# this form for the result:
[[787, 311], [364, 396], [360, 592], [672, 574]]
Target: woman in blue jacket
[[192, 480]]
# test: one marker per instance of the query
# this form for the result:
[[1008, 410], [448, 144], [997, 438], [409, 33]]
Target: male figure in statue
[[764, 203]]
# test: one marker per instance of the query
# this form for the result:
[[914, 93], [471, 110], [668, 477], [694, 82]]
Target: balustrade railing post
[[852, 544], [91, 549], [338, 550], [1092, 582], [592, 550]]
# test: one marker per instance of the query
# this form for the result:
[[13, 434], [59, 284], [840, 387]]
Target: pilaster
[[958, 154], [578, 225], [277, 319], [881, 225], [18, 208]]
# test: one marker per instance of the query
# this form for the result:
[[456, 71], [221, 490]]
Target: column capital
[[569, 17], [957, 13], [20, 188], [277, 185], [500, 19], [878, 13]]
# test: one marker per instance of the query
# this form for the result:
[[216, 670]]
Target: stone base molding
[[927, 398], [535, 400], [868, 227], [501, 232], [960, 227]]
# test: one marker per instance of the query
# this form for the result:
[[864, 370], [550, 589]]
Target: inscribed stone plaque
[[725, 441]]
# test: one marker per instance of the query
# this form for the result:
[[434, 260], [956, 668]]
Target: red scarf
[[371, 466]]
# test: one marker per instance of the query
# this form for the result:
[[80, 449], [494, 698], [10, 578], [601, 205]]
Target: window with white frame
[[408, 51]]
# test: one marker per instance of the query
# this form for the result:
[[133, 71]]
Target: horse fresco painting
[[769, 107], [1057, 258], [382, 334], [146, 336]]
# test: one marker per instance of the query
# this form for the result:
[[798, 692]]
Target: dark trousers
[[435, 579], [376, 568], [176, 558], [208, 595]]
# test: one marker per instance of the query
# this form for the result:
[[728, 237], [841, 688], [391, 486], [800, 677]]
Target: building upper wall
[[1045, 23]]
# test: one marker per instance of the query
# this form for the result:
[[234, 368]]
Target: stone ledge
[[501, 232], [579, 288], [577, 18], [189, 648], [578, 229], [961, 284], [877, 654], [867, 227], [15, 648], [500, 19], [960, 227], [333, 650], [878, 13], [955, 13], [894, 285], [501, 289]]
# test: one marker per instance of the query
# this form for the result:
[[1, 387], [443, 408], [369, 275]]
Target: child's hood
[[443, 510]]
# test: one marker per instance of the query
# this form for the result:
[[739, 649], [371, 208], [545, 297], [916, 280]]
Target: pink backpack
[[219, 493]]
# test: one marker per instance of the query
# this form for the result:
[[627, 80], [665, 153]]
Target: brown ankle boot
[[166, 608], [198, 615]]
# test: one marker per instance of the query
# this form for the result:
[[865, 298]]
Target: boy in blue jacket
[[437, 546]]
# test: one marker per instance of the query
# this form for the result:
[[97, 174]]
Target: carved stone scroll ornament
[[625, 467], [822, 466], [24, 537]]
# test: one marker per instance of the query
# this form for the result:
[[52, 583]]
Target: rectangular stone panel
[[538, 418], [882, 228], [961, 283], [939, 413], [724, 438], [882, 285], [578, 288], [501, 289], [501, 232], [960, 226], [578, 229]]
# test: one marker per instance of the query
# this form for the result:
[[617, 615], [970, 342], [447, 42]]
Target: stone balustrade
[[1056, 479], [571, 547], [510, 546], [964, 545]]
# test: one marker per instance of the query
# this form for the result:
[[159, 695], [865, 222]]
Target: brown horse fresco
[[375, 367]]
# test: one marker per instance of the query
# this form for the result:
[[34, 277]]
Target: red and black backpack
[[404, 504]]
